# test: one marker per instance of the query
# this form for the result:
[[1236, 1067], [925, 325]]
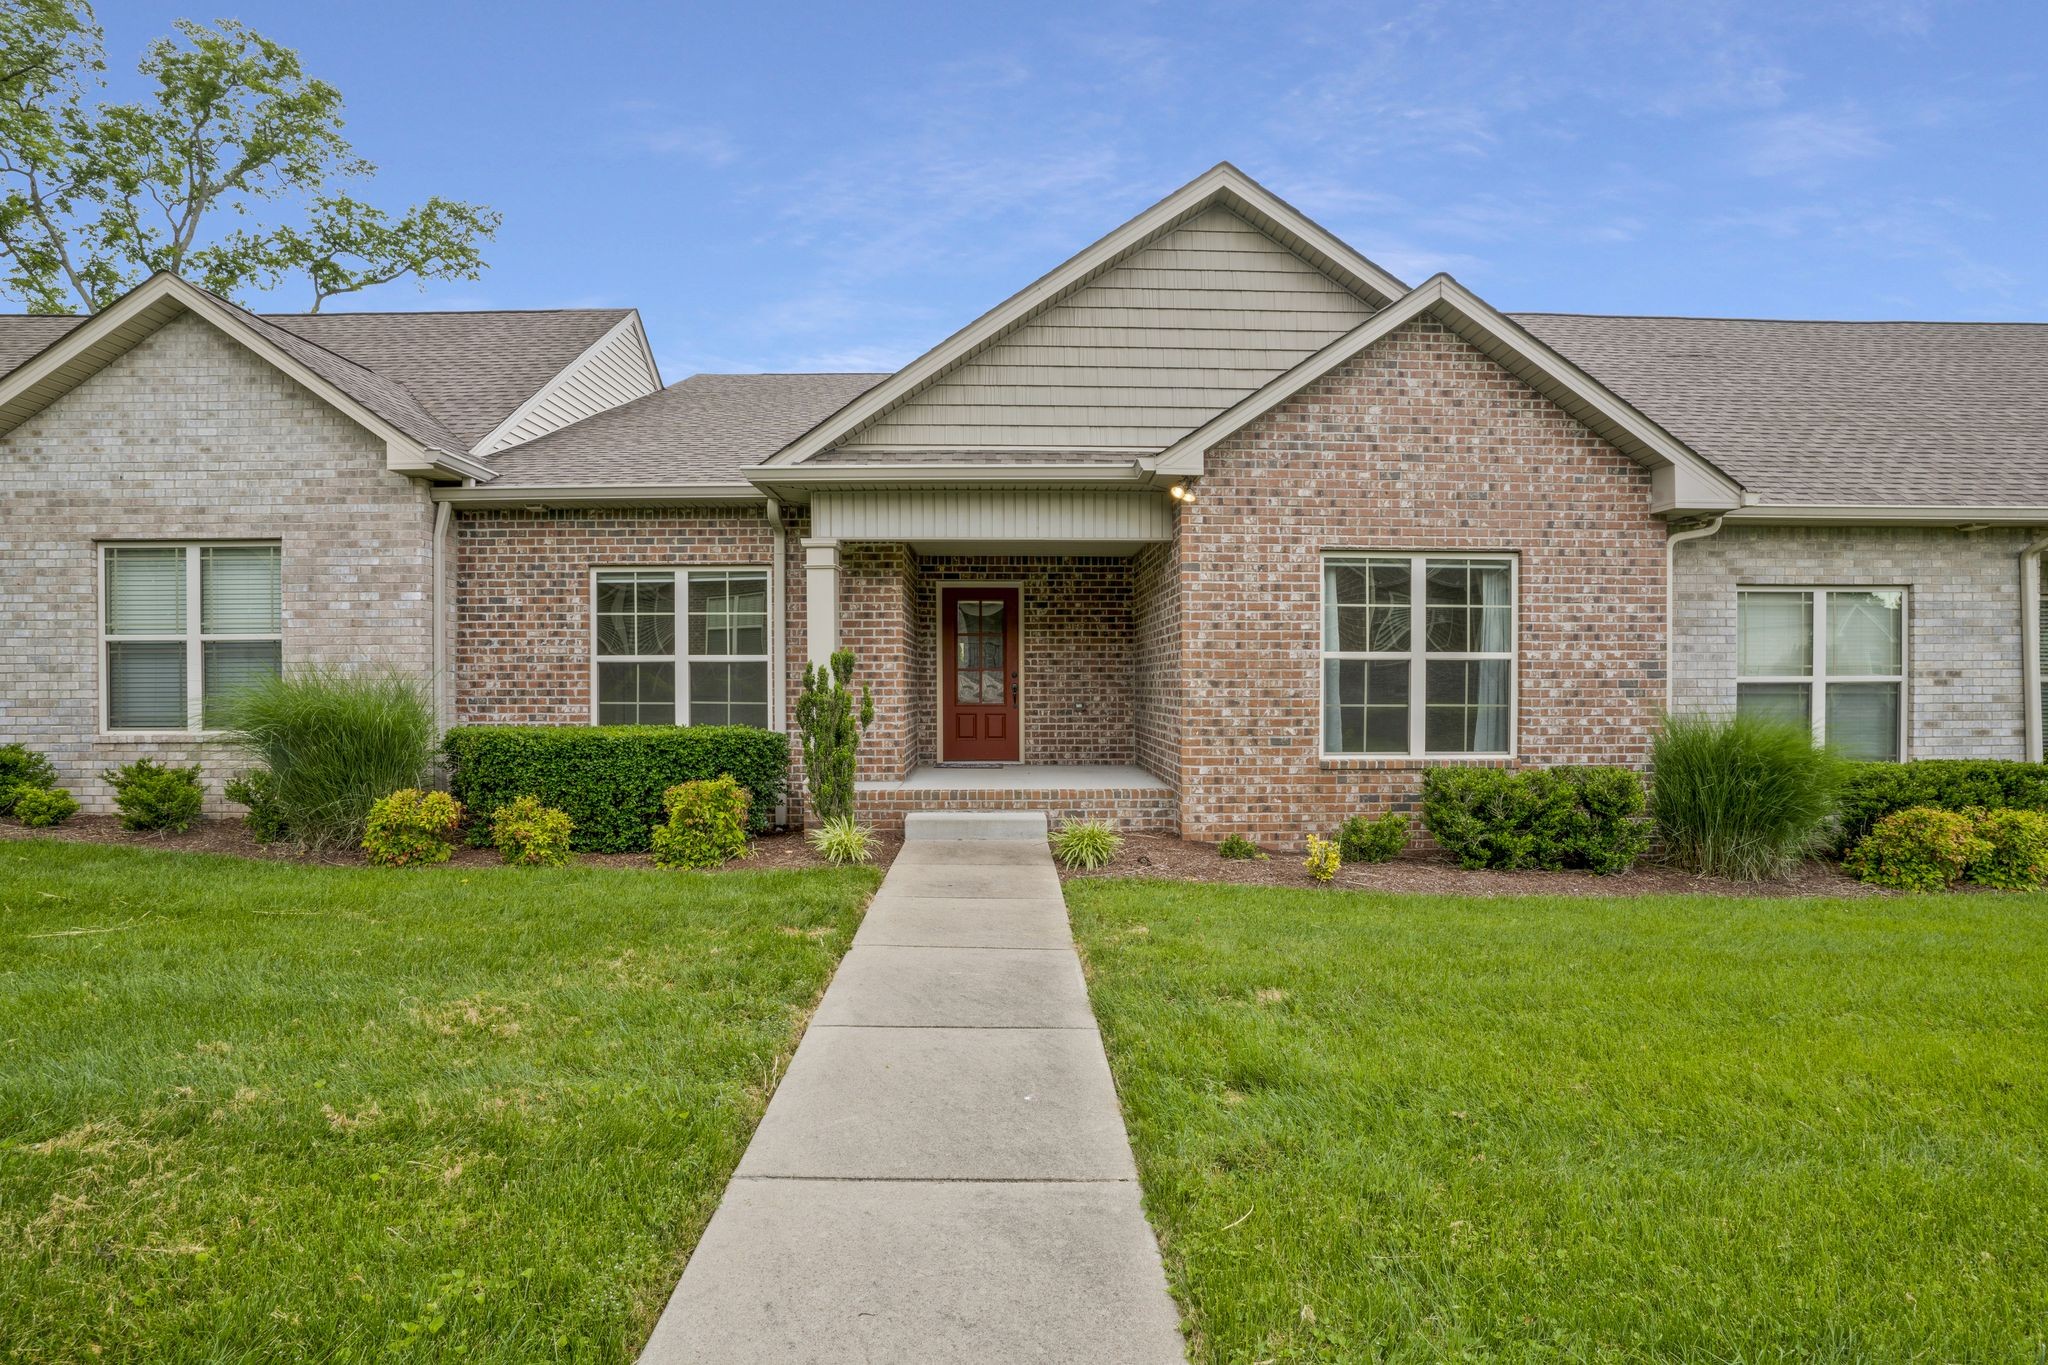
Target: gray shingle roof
[[708, 429], [445, 379], [1926, 413]]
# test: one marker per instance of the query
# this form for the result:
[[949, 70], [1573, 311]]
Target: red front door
[[978, 675]]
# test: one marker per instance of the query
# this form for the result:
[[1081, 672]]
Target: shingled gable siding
[[1420, 444], [188, 436], [1965, 689]]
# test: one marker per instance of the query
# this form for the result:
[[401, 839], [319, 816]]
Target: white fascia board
[[600, 495], [797, 482], [630, 322], [1695, 484], [1885, 514], [1224, 183]]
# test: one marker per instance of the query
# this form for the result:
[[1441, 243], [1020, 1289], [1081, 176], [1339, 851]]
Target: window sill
[[1415, 761], [160, 736]]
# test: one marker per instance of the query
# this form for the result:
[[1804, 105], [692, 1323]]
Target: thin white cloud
[[1803, 142]]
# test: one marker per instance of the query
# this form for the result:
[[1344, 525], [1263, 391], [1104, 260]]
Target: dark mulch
[[1431, 872], [769, 852]]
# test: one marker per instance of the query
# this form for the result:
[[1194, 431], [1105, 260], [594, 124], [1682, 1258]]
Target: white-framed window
[[183, 628], [1418, 654], [710, 667], [1832, 659]]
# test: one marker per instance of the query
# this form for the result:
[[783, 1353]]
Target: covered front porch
[[1029, 667]]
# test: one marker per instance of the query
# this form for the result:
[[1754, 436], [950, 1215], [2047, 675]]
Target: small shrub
[[152, 795], [531, 834], [843, 841], [2015, 856], [412, 826], [257, 790], [1237, 846], [707, 824], [1920, 849], [1363, 839], [22, 769], [1324, 858], [611, 779], [1545, 818], [41, 807], [1086, 843], [1872, 791], [831, 726], [334, 742], [1741, 796]]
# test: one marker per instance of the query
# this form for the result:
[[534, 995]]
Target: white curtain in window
[[1496, 618]]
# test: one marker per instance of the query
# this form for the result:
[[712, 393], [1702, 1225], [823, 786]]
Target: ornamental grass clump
[[333, 743], [156, 796], [1086, 844], [412, 826], [843, 841], [529, 834], [707, 824], [1741, 796]]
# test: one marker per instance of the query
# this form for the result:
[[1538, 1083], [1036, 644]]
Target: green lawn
[[283, 1113], [1547, 1129]]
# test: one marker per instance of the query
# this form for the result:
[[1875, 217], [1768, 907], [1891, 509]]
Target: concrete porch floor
[[1024, 777]]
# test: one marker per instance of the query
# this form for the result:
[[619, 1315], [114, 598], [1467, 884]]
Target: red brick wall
[[1157, 685], [1421, 443], [1077, 689], [877, 613]]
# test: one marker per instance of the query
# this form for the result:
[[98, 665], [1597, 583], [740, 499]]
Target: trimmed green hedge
[[1549, 818], [610, 778], [1876, 790]]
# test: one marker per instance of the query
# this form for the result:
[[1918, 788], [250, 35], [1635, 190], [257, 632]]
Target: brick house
[[1218, 526]]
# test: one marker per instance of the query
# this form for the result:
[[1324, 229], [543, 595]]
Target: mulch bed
[[1429, 872], [768, 852], [1423, 872]]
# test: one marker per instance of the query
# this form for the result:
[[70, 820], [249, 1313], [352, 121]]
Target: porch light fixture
[[1180, 493]]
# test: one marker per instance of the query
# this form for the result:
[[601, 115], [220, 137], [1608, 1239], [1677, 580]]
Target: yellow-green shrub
[[531, 834], [1918, 849], [707, 824], [1324, 858], [411, 826]]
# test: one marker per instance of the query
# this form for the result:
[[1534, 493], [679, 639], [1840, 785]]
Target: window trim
[[681, 657], [194, 638], [1817, 681], [1418, 658]]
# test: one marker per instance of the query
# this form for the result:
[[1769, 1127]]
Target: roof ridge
[[440, 312]]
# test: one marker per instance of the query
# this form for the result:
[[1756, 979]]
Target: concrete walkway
[[943, 1174]]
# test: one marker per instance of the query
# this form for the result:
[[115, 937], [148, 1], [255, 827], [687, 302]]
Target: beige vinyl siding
[[616, 370], [1061, 516], [1140, 356]]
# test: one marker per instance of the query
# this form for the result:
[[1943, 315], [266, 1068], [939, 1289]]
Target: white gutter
[[1888, 514], [442, 517], [1132, 473], [2030, 641], [1671, 544], [600, 495]]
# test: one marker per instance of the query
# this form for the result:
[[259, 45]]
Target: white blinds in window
[[239, 590], [146, 591]]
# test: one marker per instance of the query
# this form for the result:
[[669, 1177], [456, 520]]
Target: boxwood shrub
[[1875, 790], [610, 778], [1549, 818]]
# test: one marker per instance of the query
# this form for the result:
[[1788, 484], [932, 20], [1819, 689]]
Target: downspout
[[2030, 641], [442, 511], [1671, 544], [778, 629]]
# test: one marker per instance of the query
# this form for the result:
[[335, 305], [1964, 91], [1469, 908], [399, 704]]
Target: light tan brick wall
[[1419, 444], [188, 436]]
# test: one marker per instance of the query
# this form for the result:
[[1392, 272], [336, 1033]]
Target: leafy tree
[[831, 727], [94, 199]]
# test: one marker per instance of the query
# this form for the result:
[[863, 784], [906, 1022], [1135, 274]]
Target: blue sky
[[838, 186]]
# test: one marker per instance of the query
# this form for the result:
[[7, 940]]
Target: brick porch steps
[[1128, 797]]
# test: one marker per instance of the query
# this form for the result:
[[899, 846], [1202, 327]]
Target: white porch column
[[821, 598]]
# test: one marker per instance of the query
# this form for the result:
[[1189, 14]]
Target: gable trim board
[[86, 349], [1224, 185], [1682, 480]]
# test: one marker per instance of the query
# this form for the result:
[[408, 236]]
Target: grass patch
[[271, 1112], [1596, 1129]]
